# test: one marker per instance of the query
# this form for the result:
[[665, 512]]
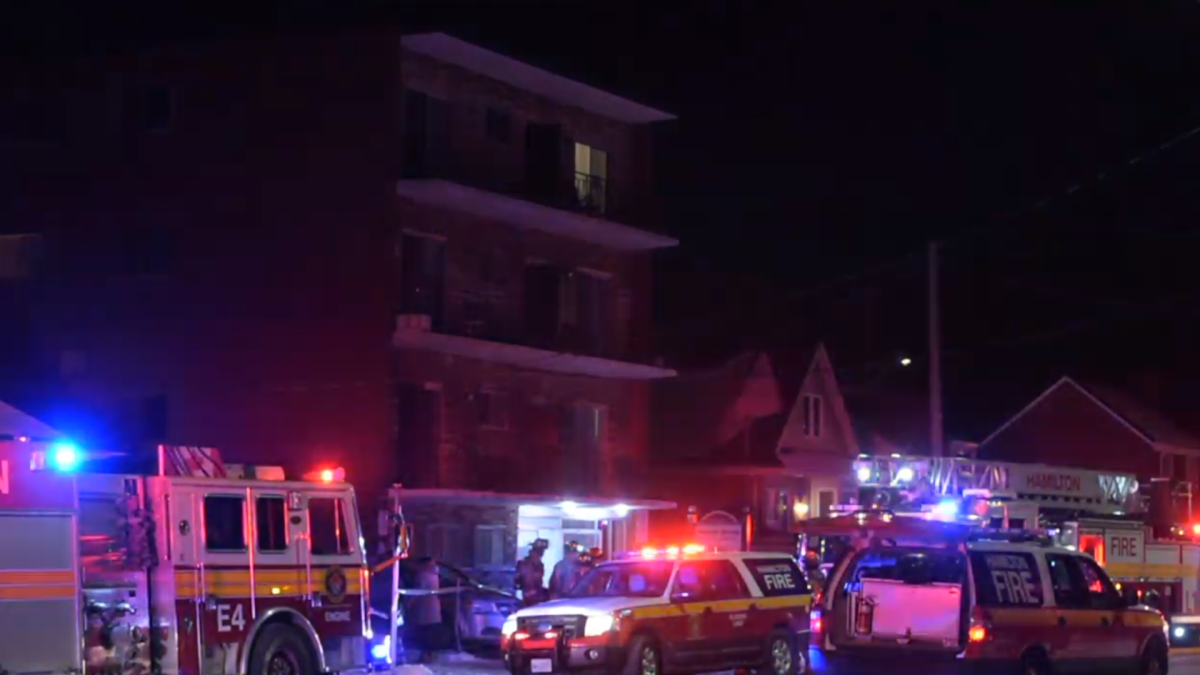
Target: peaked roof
[[821, 367], [1148, 423], [699, 412], [1152, 424], [519, 74], [13, 422]]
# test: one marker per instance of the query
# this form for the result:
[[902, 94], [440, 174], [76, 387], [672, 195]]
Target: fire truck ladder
[[1047, 486]]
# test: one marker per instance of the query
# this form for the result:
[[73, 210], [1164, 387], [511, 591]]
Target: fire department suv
[[175, 574], [939, 597], [669, 611]]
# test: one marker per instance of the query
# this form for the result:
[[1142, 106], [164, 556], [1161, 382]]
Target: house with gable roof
[[757, 444], [1103, 428]]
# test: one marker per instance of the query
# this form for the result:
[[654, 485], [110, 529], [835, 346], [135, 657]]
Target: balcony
[[574, 205], [415, 332]]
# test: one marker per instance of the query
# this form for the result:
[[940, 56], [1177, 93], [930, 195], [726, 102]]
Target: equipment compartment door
[[39, 601]]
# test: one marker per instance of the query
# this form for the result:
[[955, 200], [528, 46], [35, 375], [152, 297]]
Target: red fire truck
[[224, 571]]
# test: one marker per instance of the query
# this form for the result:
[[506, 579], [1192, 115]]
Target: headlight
[[599, 625], [509, 627]]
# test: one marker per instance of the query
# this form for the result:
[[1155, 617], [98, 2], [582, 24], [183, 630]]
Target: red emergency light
[[327, 475], [651, 552]]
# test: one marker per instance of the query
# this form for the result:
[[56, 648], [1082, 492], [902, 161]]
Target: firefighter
[[531, 573], [568, 570]]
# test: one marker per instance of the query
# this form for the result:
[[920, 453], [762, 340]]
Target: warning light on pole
[[1196, 529]]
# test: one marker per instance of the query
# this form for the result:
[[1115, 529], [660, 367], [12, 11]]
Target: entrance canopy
[[564, 506]]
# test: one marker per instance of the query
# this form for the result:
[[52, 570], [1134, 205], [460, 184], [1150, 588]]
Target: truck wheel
[[644, 657], [1154, 660], [1034, 662], [782, 658], [280, 650]]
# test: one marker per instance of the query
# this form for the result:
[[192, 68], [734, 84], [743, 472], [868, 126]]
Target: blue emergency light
[[64, 456], [382, 651]]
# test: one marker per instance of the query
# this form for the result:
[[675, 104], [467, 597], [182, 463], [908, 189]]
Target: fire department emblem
[[335, 585]]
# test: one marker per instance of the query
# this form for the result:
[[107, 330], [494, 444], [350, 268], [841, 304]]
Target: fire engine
[[1103, 514], [197, 569]]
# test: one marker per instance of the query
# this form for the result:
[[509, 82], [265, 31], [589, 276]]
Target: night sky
[[820, 145]]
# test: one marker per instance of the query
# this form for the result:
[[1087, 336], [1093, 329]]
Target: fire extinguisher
[[865, 616]]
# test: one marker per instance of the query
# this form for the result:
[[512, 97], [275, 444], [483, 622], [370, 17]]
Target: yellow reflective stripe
[[784, 601], [723, 606], [27, 577], [288, 582], [49, 592]]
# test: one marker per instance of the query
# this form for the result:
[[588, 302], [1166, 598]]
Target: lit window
[[591, 178]]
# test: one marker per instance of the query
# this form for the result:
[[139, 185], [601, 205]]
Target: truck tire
[[281, 650], [782, 657], [1035, 662], [1155, 660], [644, 657]]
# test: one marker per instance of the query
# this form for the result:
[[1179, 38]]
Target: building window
[[499, 125], [445, 542], [271, 521], [147, 108], [489, 545], [777, 508], [327, 526], [567, 309], [812, 415], [224, 527], [493, 409], [591, 178], [584, 430], [423, 277]]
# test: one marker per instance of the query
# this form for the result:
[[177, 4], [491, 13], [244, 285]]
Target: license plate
[[541, 666]]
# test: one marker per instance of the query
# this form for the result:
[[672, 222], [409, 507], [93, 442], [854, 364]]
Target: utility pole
[[935, 357]]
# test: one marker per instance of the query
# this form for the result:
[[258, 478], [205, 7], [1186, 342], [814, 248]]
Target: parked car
[[472, 616]]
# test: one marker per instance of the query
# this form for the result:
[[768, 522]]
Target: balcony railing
[[591, 194], [572, 191]]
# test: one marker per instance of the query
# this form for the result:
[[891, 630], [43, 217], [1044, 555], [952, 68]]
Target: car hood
[[588, 606]]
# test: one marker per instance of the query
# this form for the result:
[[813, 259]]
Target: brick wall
[[528, 456], [486, 261]]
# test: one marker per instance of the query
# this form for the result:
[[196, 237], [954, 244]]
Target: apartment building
[[524, 310]]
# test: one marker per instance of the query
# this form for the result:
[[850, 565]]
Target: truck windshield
[[637, 579]]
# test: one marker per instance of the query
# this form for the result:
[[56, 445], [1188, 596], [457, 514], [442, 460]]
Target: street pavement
[[1181, 664]]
